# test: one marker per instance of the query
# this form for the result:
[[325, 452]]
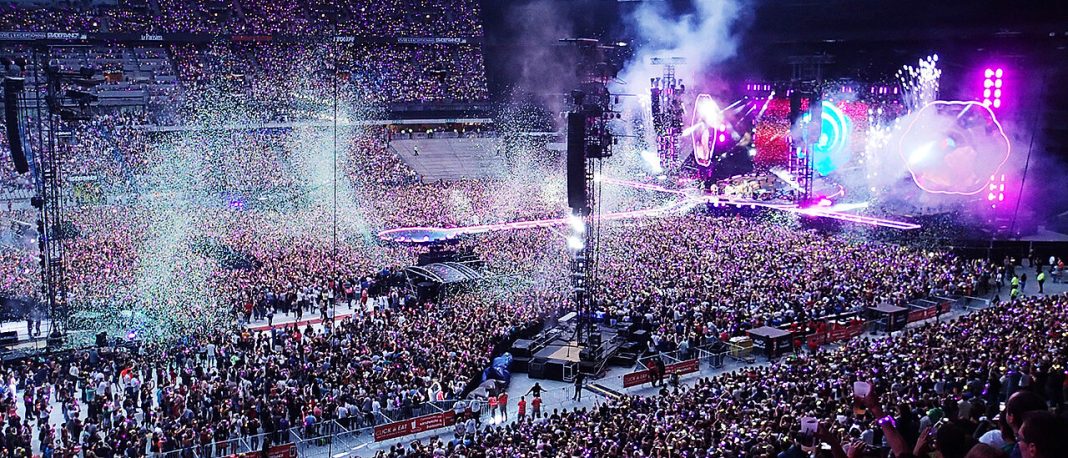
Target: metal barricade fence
[[740, 352], [323, 440], [180, 453], [976, 303], [713, 359]]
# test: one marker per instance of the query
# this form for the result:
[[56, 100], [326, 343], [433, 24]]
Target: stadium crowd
[[726, 275], [207, 232], [689, 279], [411, 352], [942, 387], [386, 18]]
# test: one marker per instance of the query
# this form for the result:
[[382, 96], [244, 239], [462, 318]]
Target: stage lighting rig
[[589, 140], [665, 96], [59, 98]]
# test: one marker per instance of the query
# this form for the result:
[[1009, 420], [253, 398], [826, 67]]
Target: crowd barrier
[[836, 334], [327, 439]]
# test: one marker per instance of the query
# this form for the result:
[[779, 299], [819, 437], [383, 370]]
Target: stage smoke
[[704, 37]]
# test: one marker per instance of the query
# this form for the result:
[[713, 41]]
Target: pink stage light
[[706, 116], [993, 83]]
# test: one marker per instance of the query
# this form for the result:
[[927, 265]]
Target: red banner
[[414, 426], [683, 367], [841, 333], [847, 332], [278, 451], [929, 312]]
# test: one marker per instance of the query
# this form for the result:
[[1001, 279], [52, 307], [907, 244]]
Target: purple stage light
[[706, 115], [993, 82]]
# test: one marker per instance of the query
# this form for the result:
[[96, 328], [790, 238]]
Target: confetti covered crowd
[[175, 207], [387, 18]]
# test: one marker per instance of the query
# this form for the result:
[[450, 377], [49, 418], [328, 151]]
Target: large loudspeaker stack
[[576, 160], [795, 105], [12, 88]]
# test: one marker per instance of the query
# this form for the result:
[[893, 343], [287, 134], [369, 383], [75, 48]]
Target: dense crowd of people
[[690, 279], [942, 387], [166, 256], [730, 274], [407, 347], [201, 231], [387, 18]]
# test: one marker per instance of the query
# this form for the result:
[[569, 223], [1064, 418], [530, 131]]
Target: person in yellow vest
[[1015, 282], [1041, 279]]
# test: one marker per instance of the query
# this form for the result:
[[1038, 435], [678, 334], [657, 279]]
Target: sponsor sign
[[65, 36], [431, 40], [847, 332], [414, 426], [639, 377], [22, 35], [929, 312]]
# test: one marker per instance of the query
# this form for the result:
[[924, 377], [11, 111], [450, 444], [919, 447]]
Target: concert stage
[[559, 352], [684, 199]]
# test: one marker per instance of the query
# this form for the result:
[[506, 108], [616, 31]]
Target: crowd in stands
[[385, 18], [284, 73], [39, 18], [268, 73], [10, 180], [200, 198], [419, 73]]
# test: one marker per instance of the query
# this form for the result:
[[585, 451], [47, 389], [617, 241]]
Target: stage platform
[[559, 353]]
